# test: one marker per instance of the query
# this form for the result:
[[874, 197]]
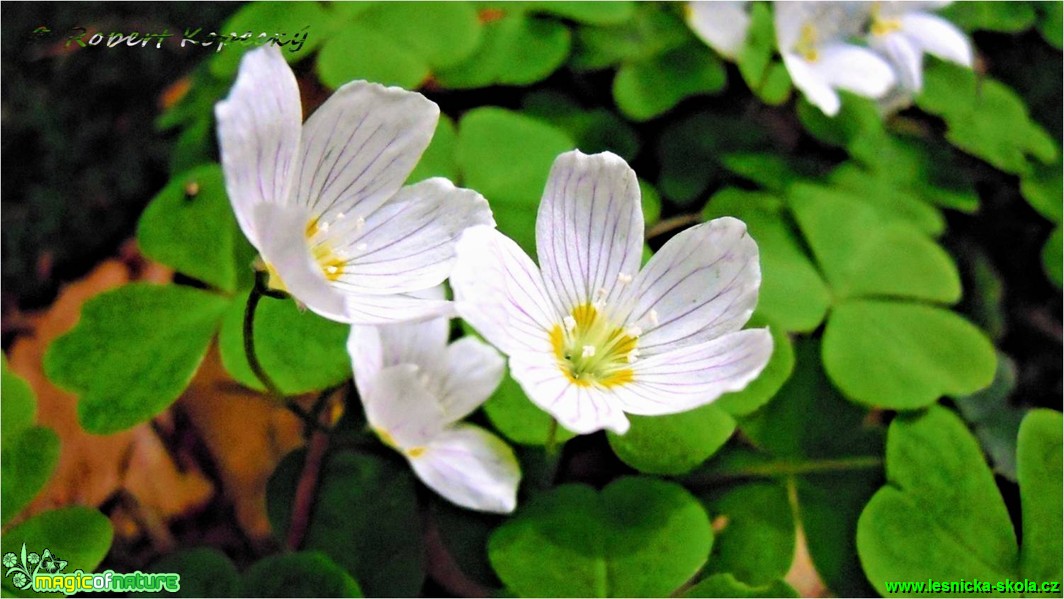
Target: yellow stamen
[[331, 263], [807, 43], [593, 351], [415, 452]]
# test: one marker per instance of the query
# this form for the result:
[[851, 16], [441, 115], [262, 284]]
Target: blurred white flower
[[904, 31], [813, 40], [415, 388], [590, 336], [322, 201], [721, 24]]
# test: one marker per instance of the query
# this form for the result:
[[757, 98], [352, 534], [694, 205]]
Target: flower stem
[[249, 337], [551, 445]]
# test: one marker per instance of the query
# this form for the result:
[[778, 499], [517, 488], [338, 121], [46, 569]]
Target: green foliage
[[646, 89], [904, 356], [124, 366], [298, 349], [399, 43], [1053, 256], [597, 130], [204, 572], [768, 79], [79, 535], [637, 537], [303, 574], [762, 389], [516, 417], [993, 420], [507, 156], [673, 444], [941, 516], [987, 15], [726, 585], [756, 541], [271, 17], [649, 33], [190, 227], [28, 453], [438, 159], [361, 498]]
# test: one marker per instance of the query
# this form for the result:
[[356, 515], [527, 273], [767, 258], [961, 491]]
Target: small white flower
[[904, 31], [415, 389], [722, 24], [322, 202], [812, 38], [587, 348]]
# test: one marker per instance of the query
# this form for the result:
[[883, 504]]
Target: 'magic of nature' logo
[[43, 573]]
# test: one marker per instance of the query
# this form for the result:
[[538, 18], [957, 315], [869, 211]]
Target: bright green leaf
[[515, 49], [1052, 23], [1039, 468], [892, 201], [862, 256], [133, 352], [1043, 189], [362, 52], [302, 574], [638, 537], [507, 156], [988, 15], [648, 33], [675, 443], [365, 518], [592, 13], [28, 459], [941, 516], [1053, 256], [756, 541], [904, 356], [438, 159], [762, 389], [18, 410], [298, 349], [190, 227], [79, 535], [644, 90]]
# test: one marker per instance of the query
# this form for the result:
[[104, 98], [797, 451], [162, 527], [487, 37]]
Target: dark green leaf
[[1039, 468], [516, 417], [205, 572], [755, 532], [302, 574], [726, 585], [646, 89], [994, 421]]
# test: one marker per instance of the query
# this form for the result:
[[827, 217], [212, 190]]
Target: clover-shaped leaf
[[637, 537]]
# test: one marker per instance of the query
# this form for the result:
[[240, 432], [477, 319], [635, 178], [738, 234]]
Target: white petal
[[589, 228], [501, 293], [284, 247], [373, 348], [471, 468], [855, 69], [938, 36], [258, 134], [581, 409], [811, 82], [685, 378], [359, 147], [408, 243], [389, 309], [722, 25], [906, 57], [472, 370], [700, 285], [398, 403]]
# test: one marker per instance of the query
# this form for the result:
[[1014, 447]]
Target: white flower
[[415, 389], [322, 202], [589, 335], [904, 31], [812, 39], [721, 24]]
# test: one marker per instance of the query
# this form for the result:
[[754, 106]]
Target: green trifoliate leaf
[[862, 256], [638, 537], [904, 356], [298, 349], [646, 89], [190, 227], [507, 156], [361, 498], [133, 352], [942, 518], [726, 585], [649, 33], [675, 443], [1038, 452], [792, 292], [892, 200], [1051, 25], [292, 22], [302, 574]]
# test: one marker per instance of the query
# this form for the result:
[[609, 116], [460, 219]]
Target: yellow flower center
[[591, 350], [881, 25], [387, 439], [807, 43], [331, 263]]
